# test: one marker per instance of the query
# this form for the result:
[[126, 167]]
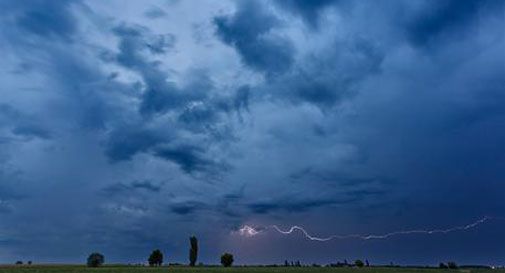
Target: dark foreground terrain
[[133, 269]]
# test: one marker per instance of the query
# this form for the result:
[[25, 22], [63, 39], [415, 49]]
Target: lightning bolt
[[249, 231]]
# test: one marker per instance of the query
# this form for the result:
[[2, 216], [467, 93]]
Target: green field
[[132, 269]]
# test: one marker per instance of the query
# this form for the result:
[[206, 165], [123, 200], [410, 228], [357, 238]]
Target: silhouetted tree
[[359, 263], [156, 258], [367, 264], [193, 251], [29, 262], [443, 266], [298, 264], [95, 259], [19, 262], [286, 263], [452, 265], [227, 259]]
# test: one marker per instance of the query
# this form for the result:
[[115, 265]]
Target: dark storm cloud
[[44, 18], [20, 124], [160, 95], [330, 76], [296, 206], [123, 143], [323, 78], [43, 36], [33, 130], [155, 12], [145, 185], [185, 208], [338, 179], [5, 206], [449, 20], [308, 10], [251, 31], [195, 109], [189, 158], [134, 186], [9, 191]]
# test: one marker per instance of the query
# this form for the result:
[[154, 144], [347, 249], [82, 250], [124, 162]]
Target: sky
[[127, 126]]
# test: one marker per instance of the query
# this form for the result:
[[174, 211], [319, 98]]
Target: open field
[[132, 269]]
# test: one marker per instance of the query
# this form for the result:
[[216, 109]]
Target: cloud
[[22, 125], [185, 208], [189, 158], [134, 186], [45, 19], [155, 13], [308, 10], [295, 206], [252, 32], [5, 206], [330, 76], [448, 20], [123, 143], [33, 130], [193, 103]]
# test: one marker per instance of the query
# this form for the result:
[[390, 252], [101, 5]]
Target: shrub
[[95, 259], [227, 259], [359, 263], [19, 262]]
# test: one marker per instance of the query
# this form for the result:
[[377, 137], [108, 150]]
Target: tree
[[227, 259], [95, 259], [452, 265], [156, 258], [29, 262], [286, 263], [443, 266], [193, 251], [19, 262], [359, 263]]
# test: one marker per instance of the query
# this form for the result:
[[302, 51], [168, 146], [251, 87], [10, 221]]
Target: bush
[[95, 260], [452, 265], [359, 263], [156, 258], [19, 262], [227, 259]]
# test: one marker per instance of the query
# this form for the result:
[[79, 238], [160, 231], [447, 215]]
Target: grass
[[134, 269]]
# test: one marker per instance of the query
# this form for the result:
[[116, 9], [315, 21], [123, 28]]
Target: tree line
[[156, 258], [97, 259]]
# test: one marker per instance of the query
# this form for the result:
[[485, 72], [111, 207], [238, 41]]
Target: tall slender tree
[[193, 251]]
